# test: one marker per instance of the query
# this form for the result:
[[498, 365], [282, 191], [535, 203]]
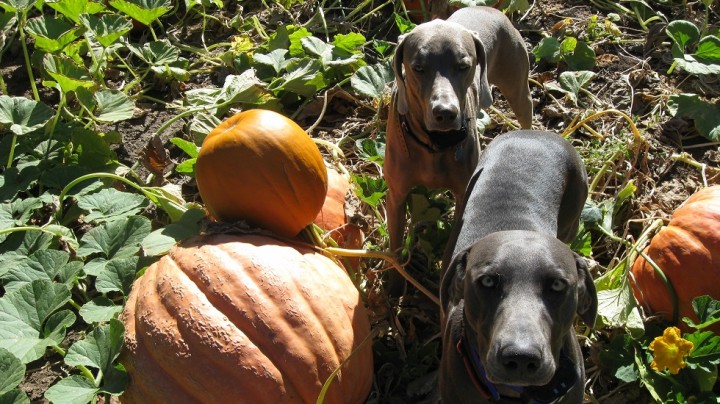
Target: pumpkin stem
[[636, 133], [390, 259]]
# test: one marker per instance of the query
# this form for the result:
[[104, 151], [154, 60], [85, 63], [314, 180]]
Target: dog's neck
[[435, 141], [565, 377]]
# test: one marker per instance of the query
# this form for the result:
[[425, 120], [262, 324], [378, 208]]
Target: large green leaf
[[118, 276], [22, 314], [99, 349], [109, 204], [12, 371], [107, 28], [67, 73], [145, 11], [23, 115], [15, 6], [99, 310], [72, 9], [683, 33], [371, 81], [117, 239], [113, 106], [161, 240], [705, 115], [43, 264], [51, 34], [72, 390]]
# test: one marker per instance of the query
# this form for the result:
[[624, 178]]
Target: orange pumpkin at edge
[[687, 250], [260, 166]]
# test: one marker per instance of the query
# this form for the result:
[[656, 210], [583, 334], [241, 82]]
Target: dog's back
[[515, 187]]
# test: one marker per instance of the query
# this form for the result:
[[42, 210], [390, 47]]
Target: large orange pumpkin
[[261, 167], [245, 319], [687, 251]]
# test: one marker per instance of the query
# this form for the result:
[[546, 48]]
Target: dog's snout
[[445, 113], [516, 359]]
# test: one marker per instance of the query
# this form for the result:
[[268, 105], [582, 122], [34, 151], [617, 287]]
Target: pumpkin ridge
[[149, 302], [258, 319], [195, 309]]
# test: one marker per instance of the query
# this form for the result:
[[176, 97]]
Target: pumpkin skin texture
[[245, 319], [261, 167], [688, 252]]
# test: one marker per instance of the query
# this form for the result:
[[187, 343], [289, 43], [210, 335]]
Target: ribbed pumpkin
[[688, 252], [260, 166], [245, 319]]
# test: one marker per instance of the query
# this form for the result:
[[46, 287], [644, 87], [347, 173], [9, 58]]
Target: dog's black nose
[[521, 360], [444, 113]]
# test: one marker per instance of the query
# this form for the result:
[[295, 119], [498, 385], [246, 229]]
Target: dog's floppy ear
[[451, 289], [401, 96], [587, 295], [483, 93]]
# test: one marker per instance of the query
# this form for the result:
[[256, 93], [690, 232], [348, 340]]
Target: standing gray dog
[[442, 70], [511, 287]]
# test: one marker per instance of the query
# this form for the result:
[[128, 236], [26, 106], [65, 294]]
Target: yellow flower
[[669, 351]]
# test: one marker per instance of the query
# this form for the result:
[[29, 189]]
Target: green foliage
[[705, 115], [692, 51]]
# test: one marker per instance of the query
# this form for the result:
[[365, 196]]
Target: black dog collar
[[565, 377], [439, 141]]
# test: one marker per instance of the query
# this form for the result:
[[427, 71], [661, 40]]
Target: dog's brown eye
[[463, 66], [558, 285], [417, 68], [488, 281]]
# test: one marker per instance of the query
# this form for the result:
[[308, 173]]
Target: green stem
[[605, 167], [86, 177], [13, 143], [3, 87], [24, 228], [26, 54]]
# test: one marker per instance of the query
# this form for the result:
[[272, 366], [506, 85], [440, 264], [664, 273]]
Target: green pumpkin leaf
[[57, 324], [99, 348], [275, 59], [99, 310], [12, 371], [72, 9], [683, 33], [51, 34], [708, 50], [15, 6], [118, 276], [22, 314], [145, 11], [72, 390], [109, 204], [107, 28], [23, 115], [69, 75], [43, 264], [162, 240], [371, 81], [113, 106], [705, 115], [548, 49], [578, 54], [117, 239]]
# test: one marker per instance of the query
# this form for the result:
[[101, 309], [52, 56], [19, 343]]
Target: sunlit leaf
[[107, 28], [23, 115], [371, 81], [72, 390], [109, 204], [275, 59], [683, 33], [99, 310], [73, 8], [548, 49], [68, 74], [16, 5], [117, 239], [113, 106], [118, 276], [145, 11], [160, 241], [51, 34]]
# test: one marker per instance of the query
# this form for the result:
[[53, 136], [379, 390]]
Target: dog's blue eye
[[488, 281], [558, 285]]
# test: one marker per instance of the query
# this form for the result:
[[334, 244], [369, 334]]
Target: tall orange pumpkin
[[245, 319], [260, 166], [687, 251]]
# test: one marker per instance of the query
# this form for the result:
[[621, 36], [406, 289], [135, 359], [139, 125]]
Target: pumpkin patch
[[245, 318], [261, 167], [687, 251]]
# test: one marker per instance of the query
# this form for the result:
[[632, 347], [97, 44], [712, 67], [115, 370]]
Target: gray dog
[[510, 286], [442, 70]]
